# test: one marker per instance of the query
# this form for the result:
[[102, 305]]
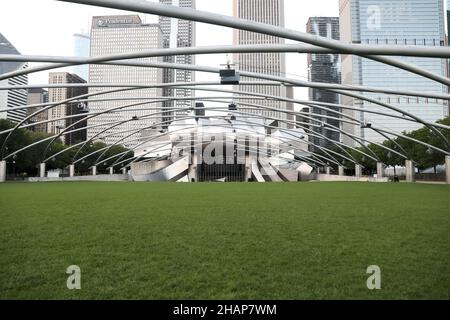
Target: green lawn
[[224, 241]]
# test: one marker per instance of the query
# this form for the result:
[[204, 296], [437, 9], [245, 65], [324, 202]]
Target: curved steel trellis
[[278, 119], [222, 125], [301, 83], [118, 58], [82, 143], [138, 130], [203, 83], [316, 135], [295, 112], [171, 132], [242, 24], [328, 87], [311, 119], [318, 45]]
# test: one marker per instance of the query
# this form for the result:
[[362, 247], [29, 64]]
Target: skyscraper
[[269, 12], [124, 34], [12, 98], [413, 22], [81, 43], [38, 96], [448, 44], [324, 68], [68, 109], [178, 33], [448, 22]]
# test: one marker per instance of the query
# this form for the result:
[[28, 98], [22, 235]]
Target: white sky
[[45, 27]]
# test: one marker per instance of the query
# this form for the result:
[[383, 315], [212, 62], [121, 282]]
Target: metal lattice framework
[[308, 44]]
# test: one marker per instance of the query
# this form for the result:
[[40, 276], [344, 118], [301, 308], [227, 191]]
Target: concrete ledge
[[126, 177], [106, 177], [326, 177]]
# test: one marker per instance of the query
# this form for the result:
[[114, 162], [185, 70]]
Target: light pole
[[14, 165]]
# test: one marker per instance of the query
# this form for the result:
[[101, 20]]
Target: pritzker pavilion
[[234, 142]]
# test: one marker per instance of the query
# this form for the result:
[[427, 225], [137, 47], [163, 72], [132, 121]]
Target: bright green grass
[[224, 241]]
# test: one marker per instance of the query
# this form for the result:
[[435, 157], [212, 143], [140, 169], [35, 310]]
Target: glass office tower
[[176, 34], [324, 68], [392, 22], [81, 44]]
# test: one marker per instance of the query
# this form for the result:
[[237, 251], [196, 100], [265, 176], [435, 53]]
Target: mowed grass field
[[224, 241]]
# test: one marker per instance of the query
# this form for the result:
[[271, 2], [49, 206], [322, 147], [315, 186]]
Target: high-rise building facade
[[178, 33], [448, 44], [81, 43], [268, 12], [448, 22], [37, 96], [115, 35], [392, 22], [68, 109], [324, 68], [12, 98]]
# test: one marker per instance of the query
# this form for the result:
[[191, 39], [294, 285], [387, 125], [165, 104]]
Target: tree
[[27, 161]]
